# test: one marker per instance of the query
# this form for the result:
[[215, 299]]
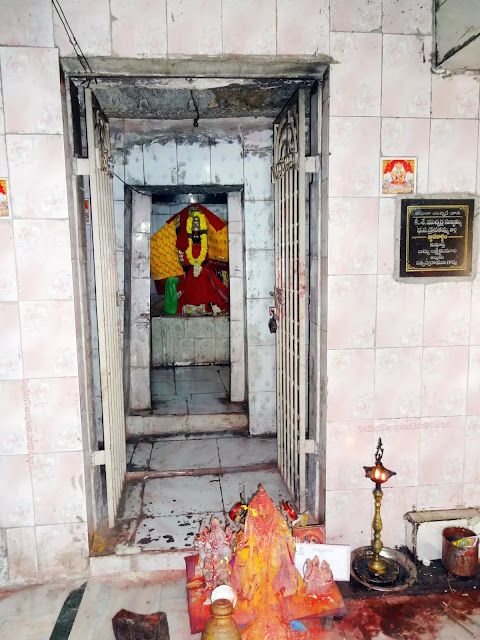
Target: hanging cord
[[195, 106], [73, 41], [144, 193]]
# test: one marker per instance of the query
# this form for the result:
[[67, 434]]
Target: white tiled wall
[[401, 357], [41, 451]]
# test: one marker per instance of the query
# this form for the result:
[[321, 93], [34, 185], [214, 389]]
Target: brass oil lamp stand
[[369, 565]]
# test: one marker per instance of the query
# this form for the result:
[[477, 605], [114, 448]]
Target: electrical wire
[[73, 40], [197, 116], [144, 193]]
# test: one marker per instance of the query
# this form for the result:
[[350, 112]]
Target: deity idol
[[214, 546], [193, 246]]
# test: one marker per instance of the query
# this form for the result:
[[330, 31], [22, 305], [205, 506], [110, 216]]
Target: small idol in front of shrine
[[191, 250], [270, 590], [215, 549]]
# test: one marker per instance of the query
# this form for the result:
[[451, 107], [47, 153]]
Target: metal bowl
[[408, 571]]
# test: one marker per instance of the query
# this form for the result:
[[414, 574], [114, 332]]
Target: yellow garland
[[197, 262]]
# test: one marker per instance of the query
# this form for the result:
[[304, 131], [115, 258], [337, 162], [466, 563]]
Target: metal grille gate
[[288, 176], [108, 300]]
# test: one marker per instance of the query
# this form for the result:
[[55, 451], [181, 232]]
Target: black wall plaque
[[436, 237]]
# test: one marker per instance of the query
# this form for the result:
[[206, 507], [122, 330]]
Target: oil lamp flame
[[378, 473]]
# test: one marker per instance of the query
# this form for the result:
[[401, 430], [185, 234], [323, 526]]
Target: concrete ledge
[[424, 529]]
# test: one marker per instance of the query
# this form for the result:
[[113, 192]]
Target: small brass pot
[[221, 624]]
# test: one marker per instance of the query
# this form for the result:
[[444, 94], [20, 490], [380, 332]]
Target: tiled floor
[[30, 613], [165, 513], [193, 390], [184, 453]]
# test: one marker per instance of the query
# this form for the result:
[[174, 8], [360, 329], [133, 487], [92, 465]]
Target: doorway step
[[190, 400], [172, 485]]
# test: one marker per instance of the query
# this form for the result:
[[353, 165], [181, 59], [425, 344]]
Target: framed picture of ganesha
[[398, 175]]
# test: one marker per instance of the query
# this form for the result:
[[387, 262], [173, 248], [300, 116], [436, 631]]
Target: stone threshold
[[211, 471], [160, 425]]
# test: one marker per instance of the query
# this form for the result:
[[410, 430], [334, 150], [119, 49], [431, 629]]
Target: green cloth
[[171, 298]]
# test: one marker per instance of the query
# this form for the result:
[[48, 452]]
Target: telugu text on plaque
[[436, 237]]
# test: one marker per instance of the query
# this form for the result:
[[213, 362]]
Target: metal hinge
[[98, 458], [310, 446], [82, 167], [120, 298], [312, 164]]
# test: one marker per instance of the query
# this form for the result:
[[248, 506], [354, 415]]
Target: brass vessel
[[221, 624]]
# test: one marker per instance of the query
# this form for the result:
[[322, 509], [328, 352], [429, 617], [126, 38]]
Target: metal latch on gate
[[98, 458], [310, 446], [82, 167], [312, 164]]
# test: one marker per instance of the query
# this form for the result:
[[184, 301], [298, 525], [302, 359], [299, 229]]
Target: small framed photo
[[5, 210], [398, 175]]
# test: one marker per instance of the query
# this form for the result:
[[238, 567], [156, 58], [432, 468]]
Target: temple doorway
[[207, 369], [190, 305]]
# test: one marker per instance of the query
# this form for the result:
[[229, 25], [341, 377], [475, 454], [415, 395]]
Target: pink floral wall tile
[[355, 15], [408, 137], [475, 313], [447, 314], [350, 384], [43, 274], [352, 223], [444, 381], [442, 443], [13, 435], [471, 464], [386, 236], [397, 501], [27, 22], [16, 503], [398, 379], [455, 96], [8, 274], [399, 313], [453, 139], [406, 77], [354, 157], [401, 441], [348, 517], [90, 22], [38, 161], [349, 447], [54, 414], [10, 346], [62, 549], [48, 339], [58, 487], [440, 496], [249, 27], [473, 394], [355, 81], [471, 494], [22, 554], [407, 16], [194, 27], [351, 311], [37, 69], [295, 35], [148, 38]]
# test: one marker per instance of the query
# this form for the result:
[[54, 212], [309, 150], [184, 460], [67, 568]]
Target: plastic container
[[460, 560]]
